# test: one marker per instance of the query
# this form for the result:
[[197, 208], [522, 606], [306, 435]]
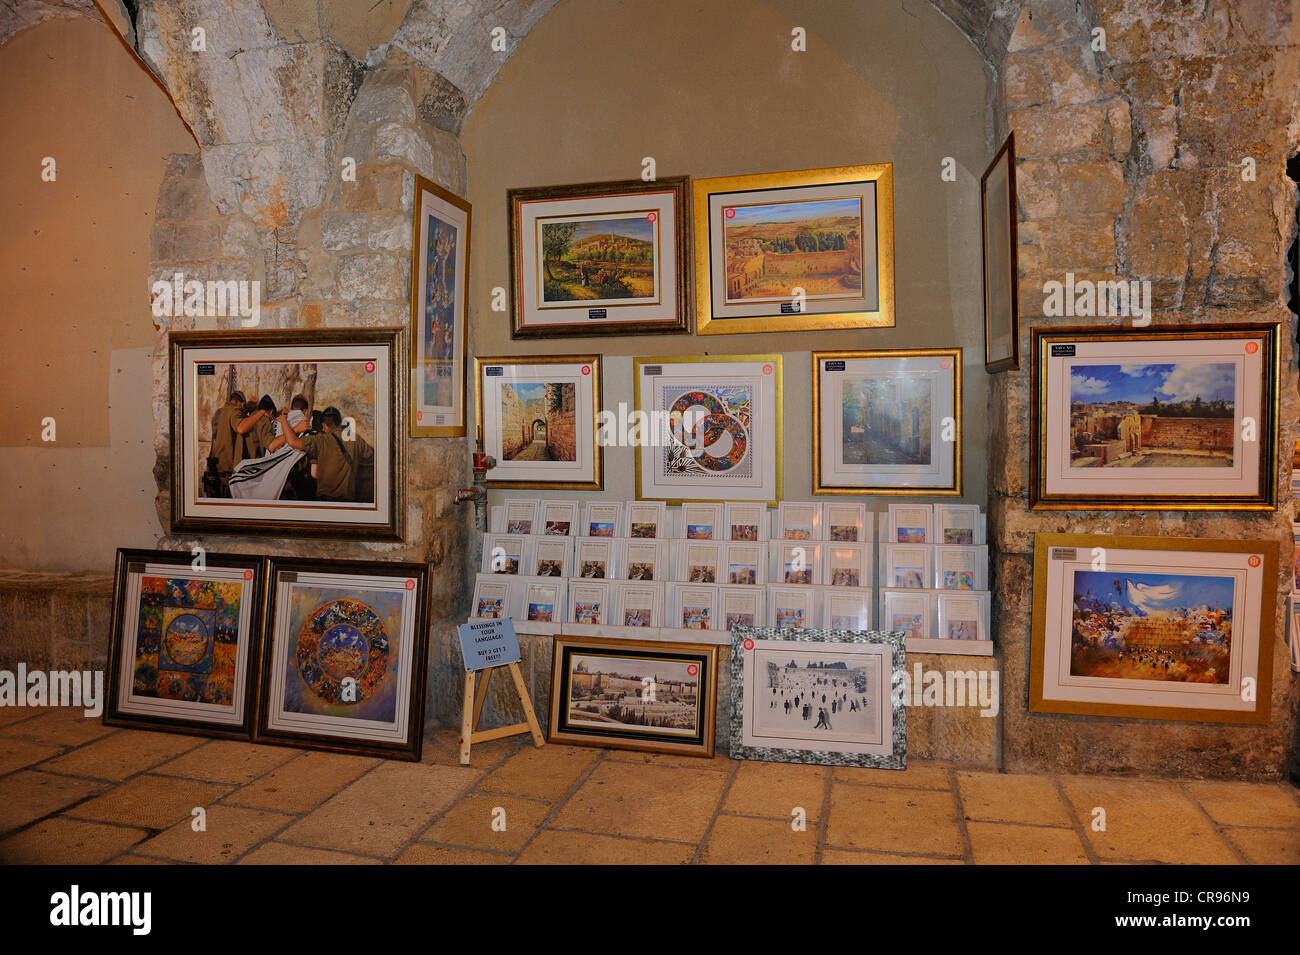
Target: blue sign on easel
[[488, 643]]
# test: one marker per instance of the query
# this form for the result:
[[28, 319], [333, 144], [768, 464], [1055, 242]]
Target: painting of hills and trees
[[599, 258]]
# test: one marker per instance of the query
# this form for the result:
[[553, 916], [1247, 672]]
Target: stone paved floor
[[74, 791]]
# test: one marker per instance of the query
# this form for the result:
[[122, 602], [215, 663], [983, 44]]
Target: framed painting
[[1180, 418], [537, 417], [631, 694], [439, 289], [887, 422], [795, 251], [345, 653], [714, 428], [184, 643], [1001, 271], [818, 696], [290, 433], [604, 258], [1168, 628]]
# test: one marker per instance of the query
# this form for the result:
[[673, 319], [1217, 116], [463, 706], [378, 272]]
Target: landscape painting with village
[[630, 693], [815, 245], [591, 260]]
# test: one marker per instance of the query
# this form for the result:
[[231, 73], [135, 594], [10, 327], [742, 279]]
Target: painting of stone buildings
[[538, 421], [773, 248], [1169, 415], [595, 259], [1145, 626], [886, 420], [648, 695]]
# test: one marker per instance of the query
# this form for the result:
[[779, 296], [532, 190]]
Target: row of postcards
[[923, 614], [832, 563], [840, 522]]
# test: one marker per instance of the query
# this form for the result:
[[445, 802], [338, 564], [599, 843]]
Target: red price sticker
[[749, 644], [248, 575], [945, 364], [767, 369], [1252, 347], [730, 213], [586, 369], [370, 366], [419, 416], [652, 217], [1254, 561], [410, 585], [692, 669]]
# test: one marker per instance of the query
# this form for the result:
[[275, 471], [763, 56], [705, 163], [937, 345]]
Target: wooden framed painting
[[344, 662], [714, 428], [1181, 418], [604, 258], [537, 416], [1153, 627], [887, 422], [439, 289], [185, 641], [631, 694], [288, 433], [818, 696], [1001, 271], [795, 251]]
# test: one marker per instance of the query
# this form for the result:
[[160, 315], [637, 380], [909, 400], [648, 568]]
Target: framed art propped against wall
[[291, 433], [1153, 627], [603, 258], [795, 251], [537, 416], [1001, 272], [439, 287]]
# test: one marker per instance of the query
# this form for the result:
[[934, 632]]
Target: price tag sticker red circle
[[1254, 561], [1252, 347], [945, 364], [767, 369], [370, 366], [749, 644], [586, 369], [410, 585], [692, 669], [730, 213], [419, 416], [248, 575], [652, 217]]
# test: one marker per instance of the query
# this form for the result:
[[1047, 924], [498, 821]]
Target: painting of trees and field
[[598, 259], [815, 245]]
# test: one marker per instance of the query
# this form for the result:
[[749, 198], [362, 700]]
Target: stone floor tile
[[553, 847], [775, 789], [303, 783], [279, 853], [63, 841], [470, 822], [61, 726], [918, 775], [11, 715], [381, 811], [721, 764], [547, 773], [1146, 820], [738, 840], [1249, 804], [996, 843], [1267, 846], [424, 854], [17, 753], [442, 748], [132, 859], [227, 761], [28, 795], [1002, 797], [123, 754], [230, 832], [893, 819], [655, 802], [150, 802], [857, 857]]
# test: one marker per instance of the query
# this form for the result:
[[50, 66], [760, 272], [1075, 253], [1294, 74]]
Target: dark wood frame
[[419, 659], [391, 530], [1013, 362], [680, 186], [113, 716]]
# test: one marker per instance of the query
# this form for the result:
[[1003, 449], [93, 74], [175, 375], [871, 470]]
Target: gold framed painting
[[1143, 418], [795, 251], [708, 428], [537, 415], [887, 422], [634, 694], [439, 289], [601, 258], [1153, 627], [998, 216]]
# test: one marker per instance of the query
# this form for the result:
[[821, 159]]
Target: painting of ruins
[[886, 420], [1176, 628], [599, 259], [538, 421], [1139, 415], [772, 248]]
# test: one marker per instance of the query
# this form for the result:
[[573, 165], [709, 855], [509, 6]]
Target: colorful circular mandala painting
[[343, 640], [720, 435]]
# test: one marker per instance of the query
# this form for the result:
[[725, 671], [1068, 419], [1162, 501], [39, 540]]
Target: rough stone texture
[[54, 621], [20, 14], [1129, 166]]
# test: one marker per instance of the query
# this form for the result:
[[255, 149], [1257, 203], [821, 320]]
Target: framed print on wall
[[439, 287], [1180, 418], [292, 433], [716, 427], [184, 643], [795, 251], [629, 694], [344, 664], [537, 415], [887, 422], [604, 258], [1171, 629], [818, 696], [1001, 271]]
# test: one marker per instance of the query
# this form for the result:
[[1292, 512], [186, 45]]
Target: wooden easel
[[474, 699]]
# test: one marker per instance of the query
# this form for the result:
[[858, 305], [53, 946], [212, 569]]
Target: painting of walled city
[[1142, 626], [811, 244], [1167, 415], [629, 693]]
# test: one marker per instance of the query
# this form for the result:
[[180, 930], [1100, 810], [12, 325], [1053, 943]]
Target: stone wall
[[1198, 434], [516, 432], [1130, 166], [560, 438]]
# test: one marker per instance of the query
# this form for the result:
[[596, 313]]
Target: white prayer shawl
[[263, 478]]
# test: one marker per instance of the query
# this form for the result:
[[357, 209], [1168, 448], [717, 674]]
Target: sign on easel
[[488, 645]]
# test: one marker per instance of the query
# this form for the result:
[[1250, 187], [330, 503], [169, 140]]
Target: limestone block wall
[[560, 437], [1129, 165], [1194, 433]]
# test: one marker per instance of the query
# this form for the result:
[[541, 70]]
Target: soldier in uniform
[[342, 466], [261, 437], [226, 441]]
